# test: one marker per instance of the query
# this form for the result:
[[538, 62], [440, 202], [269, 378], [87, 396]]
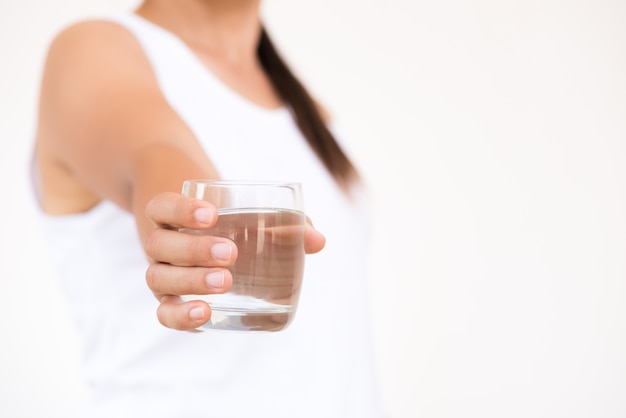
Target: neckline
[[209, 77]]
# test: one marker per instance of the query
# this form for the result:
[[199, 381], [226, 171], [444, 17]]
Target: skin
[[105, 132]]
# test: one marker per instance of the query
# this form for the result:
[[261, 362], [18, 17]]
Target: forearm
[[163, 169]]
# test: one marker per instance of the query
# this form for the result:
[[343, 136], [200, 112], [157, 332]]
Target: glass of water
[[266, 221]]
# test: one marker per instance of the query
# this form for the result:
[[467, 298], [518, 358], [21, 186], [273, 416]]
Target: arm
[[104, 121], [105, 126]]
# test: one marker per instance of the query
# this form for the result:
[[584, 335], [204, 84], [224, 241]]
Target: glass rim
[[217, 182]]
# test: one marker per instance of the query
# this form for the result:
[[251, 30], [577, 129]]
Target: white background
[[493, 136]]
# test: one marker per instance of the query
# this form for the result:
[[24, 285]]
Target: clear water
[[267, 275]]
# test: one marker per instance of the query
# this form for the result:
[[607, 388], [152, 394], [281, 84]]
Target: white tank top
[[320, 366]]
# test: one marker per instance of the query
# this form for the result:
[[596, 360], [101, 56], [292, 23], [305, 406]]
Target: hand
[[182, 263]]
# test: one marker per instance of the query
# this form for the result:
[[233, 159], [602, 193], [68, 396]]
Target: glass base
[[240, 320]]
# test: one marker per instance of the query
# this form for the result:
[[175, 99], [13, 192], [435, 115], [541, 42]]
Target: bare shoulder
[[95, 74], [90, 54], [90, 68], [96, 38]]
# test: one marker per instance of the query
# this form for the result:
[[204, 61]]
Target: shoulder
[[92, 68], [90, 56], [89, 39]]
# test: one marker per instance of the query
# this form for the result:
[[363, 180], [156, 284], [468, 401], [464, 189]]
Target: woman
[[130, 107]]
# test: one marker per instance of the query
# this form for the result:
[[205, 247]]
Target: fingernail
[[215, 279], [221, 251], [196, 313], [203, 215]]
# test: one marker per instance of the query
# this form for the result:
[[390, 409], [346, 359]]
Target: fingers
[[314, 241], [176, 211], [166, 279], [187, 249], [185, 263], [189, 263], [175, 314]]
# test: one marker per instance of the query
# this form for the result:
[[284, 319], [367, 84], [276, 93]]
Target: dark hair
[[306, 114]]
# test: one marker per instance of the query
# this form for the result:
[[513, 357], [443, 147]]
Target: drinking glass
[[266, 222]]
